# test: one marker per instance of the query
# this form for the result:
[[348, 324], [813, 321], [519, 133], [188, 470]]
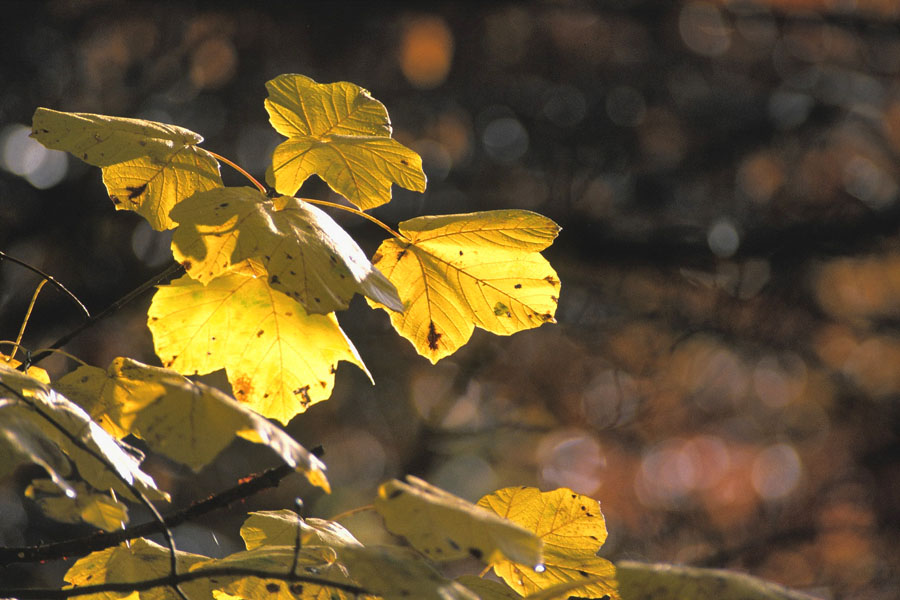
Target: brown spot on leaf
[[549, 279], [259, 333], [518, 286], [403, 161], [223, 205], [288, 313], [394, 494], [288, 256], [323, 384], [333, 369], [297, 589], [187, 265], [476, 553], [272, 588], [401, 254], [274, 280], [115, 200], [135, 191], [242, 388], [376, 257], [433, 336], [304, 395], [555, 299], [460, 252], [317, 300]]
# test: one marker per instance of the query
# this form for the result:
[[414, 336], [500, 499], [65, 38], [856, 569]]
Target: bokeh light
[[27, 158], [426, 51]]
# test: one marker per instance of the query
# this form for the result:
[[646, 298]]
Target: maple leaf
[[279, 359], [148, 167], [454, 272], [306, 254], [174, 415], [572, 529], [446, 527], [340, 133], [40, 425]]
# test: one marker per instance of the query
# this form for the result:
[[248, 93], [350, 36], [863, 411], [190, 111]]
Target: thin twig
[[239, 169], [100, 541], [358, 213], [53, 282], [112, 308], [34, 298]]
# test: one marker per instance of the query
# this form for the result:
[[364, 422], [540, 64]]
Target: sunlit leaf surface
[[340, 133], [279, 359], [454, 272]]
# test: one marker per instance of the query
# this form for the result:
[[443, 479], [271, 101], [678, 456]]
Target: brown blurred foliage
[[724, 374]]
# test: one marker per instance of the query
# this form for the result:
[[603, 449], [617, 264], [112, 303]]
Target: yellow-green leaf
[[340, 133], [454, 272], [279, 528], [641, 581], [445, 527], [398, 574], [488, 589], [45, 427], [305, 253], [279, 359], [135, 561], [175, 415], [101, 510], [152, 187], [572, 529], [147, 166]]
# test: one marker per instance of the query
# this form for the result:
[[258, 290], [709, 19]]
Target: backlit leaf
[[148, 167], [279, 528], [340, 133], [488, 589], [40, 424], [457, 271], [641, 581], [398, 573], [279, 359], [572, 529], [445, 527], [305, 253], [175, 415], [138, 560], [101, 510]]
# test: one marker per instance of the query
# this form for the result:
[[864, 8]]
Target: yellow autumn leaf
[[130, 562], [34, 371], [279, 359], [445, 527], [305, 253], [642, 581], [174, 415], [340, 133], [148, 167], [454, 272], [98, 509], [40, 425], [572, 529], [279, 528]]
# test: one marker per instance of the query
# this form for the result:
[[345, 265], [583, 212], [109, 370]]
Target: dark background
[[724, 375]]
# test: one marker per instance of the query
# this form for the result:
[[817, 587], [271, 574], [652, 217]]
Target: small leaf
[[305, 253], [175, 415], [572, 529], [340, 133], [279, 359], [445, 527], [88, 506], [279, 528], [458, 271], [38, 423], [148, 167]]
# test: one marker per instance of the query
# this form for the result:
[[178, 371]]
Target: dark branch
[[173, 581], [99, 541]]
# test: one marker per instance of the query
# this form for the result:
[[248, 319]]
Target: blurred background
[[725, 373]]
